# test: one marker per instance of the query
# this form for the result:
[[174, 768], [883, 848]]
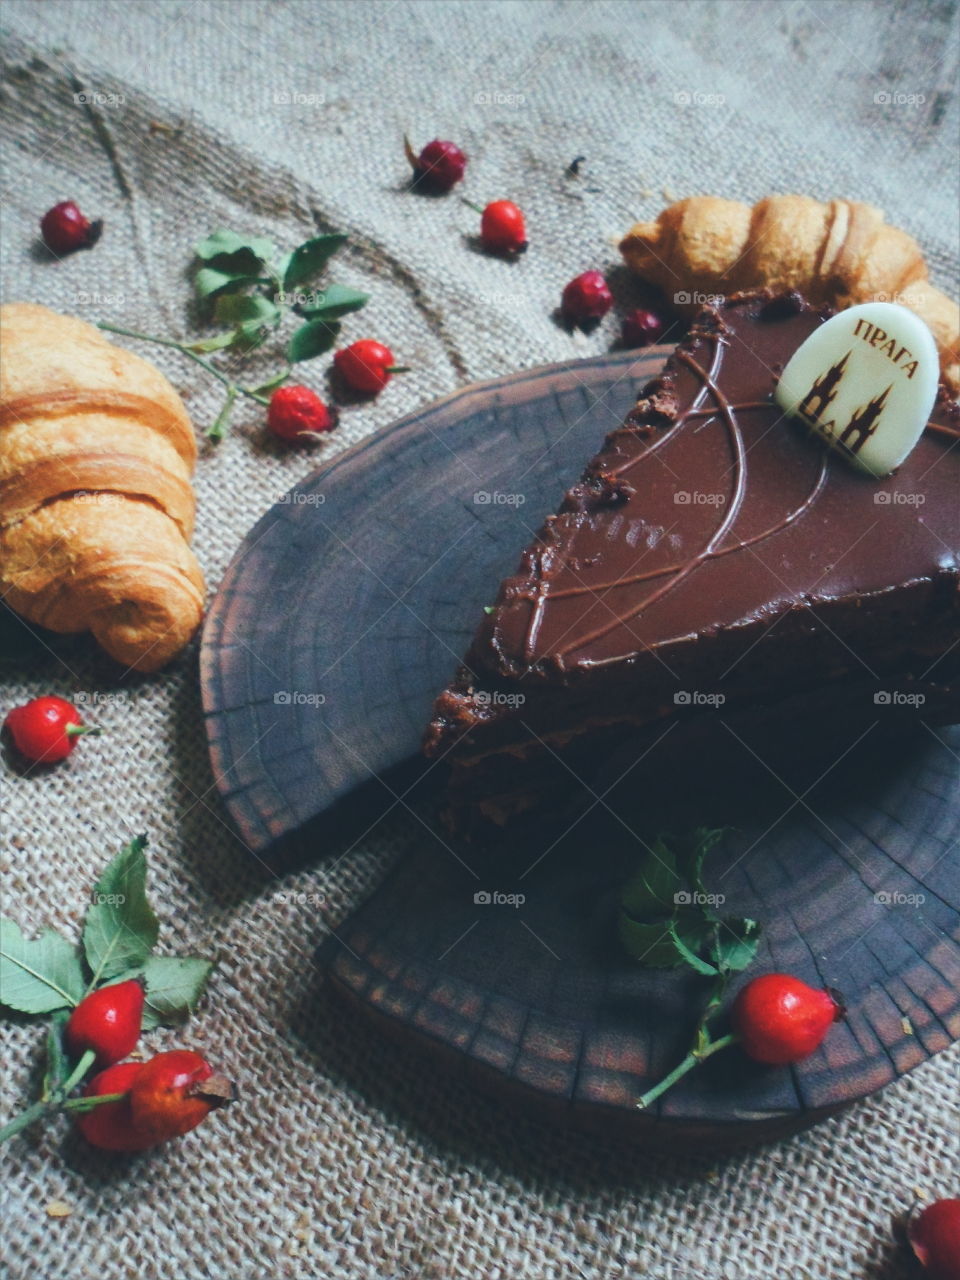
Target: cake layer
[[715, 555]]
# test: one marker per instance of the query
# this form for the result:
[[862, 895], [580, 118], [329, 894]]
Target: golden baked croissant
[[839, 253], [96, 505]]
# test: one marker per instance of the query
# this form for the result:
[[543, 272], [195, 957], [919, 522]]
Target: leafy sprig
[[668, 919], [249, 290], [51, 975]]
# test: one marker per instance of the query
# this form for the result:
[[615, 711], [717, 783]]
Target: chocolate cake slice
[[716, 558]]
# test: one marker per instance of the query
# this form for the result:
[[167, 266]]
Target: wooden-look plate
[[344, 612]]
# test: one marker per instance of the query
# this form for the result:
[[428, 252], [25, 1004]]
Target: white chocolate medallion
[[866, 381]]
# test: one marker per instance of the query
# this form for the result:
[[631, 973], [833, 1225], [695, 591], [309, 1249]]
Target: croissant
[[837, 253], [96, 504]]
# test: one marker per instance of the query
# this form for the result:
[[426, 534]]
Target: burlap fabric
[[347, 1157]]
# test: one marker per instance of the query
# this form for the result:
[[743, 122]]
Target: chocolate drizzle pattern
[[677, 573]]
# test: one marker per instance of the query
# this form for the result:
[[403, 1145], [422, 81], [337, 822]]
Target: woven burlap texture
[[347, 1157]]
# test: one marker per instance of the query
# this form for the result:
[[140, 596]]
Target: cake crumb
[[58, 1209], [668, 194]]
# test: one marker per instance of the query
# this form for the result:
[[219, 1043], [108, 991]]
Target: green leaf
[[652, 944], [57, 1066], [653, 889], [38, 975], [209, 281], [736, 944], [239, 308], [121, 929], [335, 301], [312, 339], [699, 845], [689, 936], [174, 985], [227, 244], [309, 258], [214, 344]]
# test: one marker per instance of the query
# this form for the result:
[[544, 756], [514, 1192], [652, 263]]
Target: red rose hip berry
[[781, 1019], [366, 365], [587, 297], [502, 228], [45, 730], [298, 415], [107, 1022], [174, 1092], [934, 1237], [439, 166], [64, 228], [641, 328], [110, 1126]]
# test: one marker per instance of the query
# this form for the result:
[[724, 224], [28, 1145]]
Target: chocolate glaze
[[709, 515]]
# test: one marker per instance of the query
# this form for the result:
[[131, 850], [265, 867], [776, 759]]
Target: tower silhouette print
[[864, 422], [821, 395]]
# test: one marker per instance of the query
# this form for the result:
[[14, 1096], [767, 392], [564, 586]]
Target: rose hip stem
[[57, 1099], [693, 1059], [233, 388]]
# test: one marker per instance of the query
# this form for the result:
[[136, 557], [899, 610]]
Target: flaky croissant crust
[[837, 252], [96, 504]]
